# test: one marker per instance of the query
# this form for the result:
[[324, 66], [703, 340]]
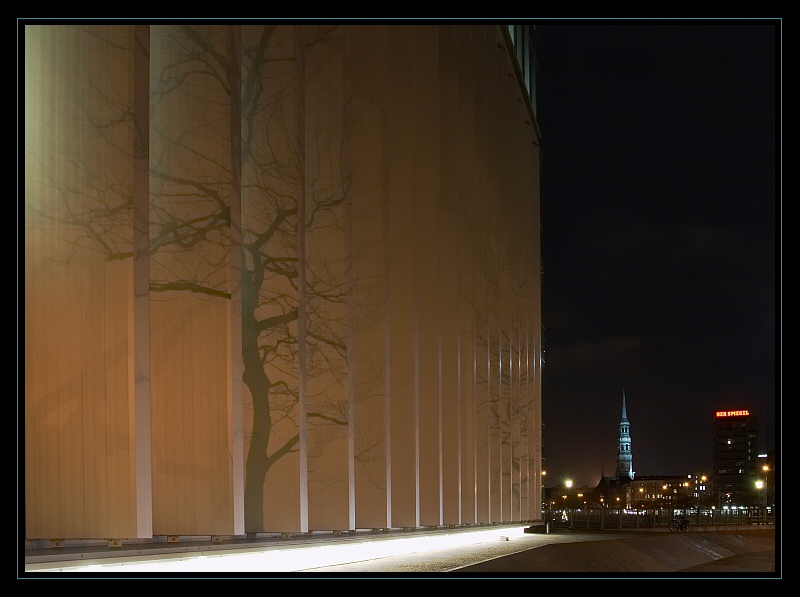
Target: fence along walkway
[[605, 518]]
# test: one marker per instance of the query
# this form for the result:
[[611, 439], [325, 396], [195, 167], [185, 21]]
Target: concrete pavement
[[730, 552]]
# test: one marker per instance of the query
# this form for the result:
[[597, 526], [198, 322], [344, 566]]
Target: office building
[[735, 458]]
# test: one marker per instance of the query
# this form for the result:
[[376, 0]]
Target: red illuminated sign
[[733, 413]]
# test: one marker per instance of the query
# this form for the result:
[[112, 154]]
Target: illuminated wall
[[278, 279]]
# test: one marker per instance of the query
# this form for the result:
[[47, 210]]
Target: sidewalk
[[502, 552]]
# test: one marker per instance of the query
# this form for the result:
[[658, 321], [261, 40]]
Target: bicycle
[[677, 525]]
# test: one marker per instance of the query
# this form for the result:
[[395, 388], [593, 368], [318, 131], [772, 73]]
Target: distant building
[[615, 491], [624, 455], [735, 458], [741, 477], [645, 492]]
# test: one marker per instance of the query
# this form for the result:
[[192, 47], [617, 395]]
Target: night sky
[[661, 209]]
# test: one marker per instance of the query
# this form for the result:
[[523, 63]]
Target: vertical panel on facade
[[527, 257], [534, 301], [228, 481], [530, 475], [37, 162], [451, 305], [515, 413], [495, 397], [141, 467], [305, 213], [326, 282], [519, 260], [161, 318], [119, 404], [493, 269], [67, 304], [64, 304], [272, 182], [369, 259], [505, 419], [79, 363], [511, 283], [207, 348], [93, 453], [180, 434], [533, 339], [190, 249], [522, 450], [68, 365], [480, 200], [425, 218], [162, 415], [471, 188], [504, 267], [401, 145], [482, 406]]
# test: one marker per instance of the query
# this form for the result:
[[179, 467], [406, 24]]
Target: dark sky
[[661, 214]]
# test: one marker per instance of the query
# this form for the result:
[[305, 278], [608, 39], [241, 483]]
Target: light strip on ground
[[296, 558]]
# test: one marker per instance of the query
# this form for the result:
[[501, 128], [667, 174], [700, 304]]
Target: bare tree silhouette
[[284, 278], [294, 187], [191, 214]]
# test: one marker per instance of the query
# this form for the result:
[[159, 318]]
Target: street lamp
[[567, 509], [759, 486], [544, 496]]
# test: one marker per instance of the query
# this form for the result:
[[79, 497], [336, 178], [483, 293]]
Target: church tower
[[624, 457]]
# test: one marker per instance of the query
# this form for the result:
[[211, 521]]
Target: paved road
[[501, 553], [602, 553]]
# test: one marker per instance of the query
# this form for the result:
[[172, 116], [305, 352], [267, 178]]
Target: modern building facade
[[280, 278], [735, 458]]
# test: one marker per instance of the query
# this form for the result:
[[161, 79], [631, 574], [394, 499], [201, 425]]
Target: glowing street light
[[759, 486], [568, 485], [762, 485], [545, 503]]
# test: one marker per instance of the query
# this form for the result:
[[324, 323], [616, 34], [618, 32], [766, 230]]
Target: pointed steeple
[[624, 410], [624, 456]]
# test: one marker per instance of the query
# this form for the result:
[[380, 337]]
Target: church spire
[[624, 410], [624, 456]]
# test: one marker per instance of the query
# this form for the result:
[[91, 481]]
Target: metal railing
[[606, 518]]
